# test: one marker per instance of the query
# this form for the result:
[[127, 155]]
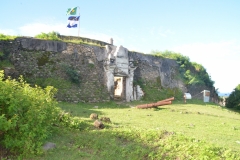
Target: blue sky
[[207, 31]]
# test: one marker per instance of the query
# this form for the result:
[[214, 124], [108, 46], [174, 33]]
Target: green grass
[[55, 36], [82, 42], [51, 36], [176, 131]]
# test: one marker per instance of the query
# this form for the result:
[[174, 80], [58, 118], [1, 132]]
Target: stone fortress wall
[[87, 73]]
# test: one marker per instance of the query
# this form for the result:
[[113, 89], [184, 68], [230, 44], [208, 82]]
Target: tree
[[233, 101]]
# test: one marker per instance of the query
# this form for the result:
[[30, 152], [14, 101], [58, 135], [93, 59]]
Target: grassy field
[[178, 131]]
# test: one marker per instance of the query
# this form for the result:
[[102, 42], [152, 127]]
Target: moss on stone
[[153, 91], [5, 63], [91, 66], [44, 59], [55, 82]]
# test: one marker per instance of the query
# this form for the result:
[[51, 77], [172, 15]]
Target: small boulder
[[105, 119], [94, 116], [49, 145], [98, 124]]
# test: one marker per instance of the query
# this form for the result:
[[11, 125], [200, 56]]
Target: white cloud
[[102, 37], [208, 49], [8, 31], [33, 29], [220, 59]]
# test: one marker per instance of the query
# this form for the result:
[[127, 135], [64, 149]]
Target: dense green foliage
[[233, 101], [48, 36], [191, 72], [6, 37], [28, 115]]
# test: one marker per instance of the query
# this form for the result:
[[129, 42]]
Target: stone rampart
[[74, 69], [83, 39], [85, 73]]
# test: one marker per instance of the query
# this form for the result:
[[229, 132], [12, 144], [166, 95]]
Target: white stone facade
[[117, 65]]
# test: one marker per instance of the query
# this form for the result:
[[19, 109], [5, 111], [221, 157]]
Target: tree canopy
[[233, 101]]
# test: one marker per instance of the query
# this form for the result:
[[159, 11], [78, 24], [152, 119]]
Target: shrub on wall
[[49, 36], [191, 72], [72, 74], [155, 94], [153, 91], [6, 37], [27, 115]]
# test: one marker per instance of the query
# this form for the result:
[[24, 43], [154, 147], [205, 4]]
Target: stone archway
[[119, 88]]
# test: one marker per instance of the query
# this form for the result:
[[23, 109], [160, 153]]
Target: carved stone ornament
[[119, 72]]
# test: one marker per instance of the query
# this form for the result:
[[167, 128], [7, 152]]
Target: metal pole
[[79, 22]]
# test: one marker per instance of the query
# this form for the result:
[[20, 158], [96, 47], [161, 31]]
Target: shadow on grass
[[81, 109], [128, 144], [97, 144], [158, 108]]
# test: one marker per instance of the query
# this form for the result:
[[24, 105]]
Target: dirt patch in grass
[[4, 153]]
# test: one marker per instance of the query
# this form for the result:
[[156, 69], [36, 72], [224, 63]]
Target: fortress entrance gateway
[[119, 88], [119, 74]]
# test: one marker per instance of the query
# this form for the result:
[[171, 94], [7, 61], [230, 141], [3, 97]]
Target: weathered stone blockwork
[[53, 62], [156, 69], [85, 73]]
